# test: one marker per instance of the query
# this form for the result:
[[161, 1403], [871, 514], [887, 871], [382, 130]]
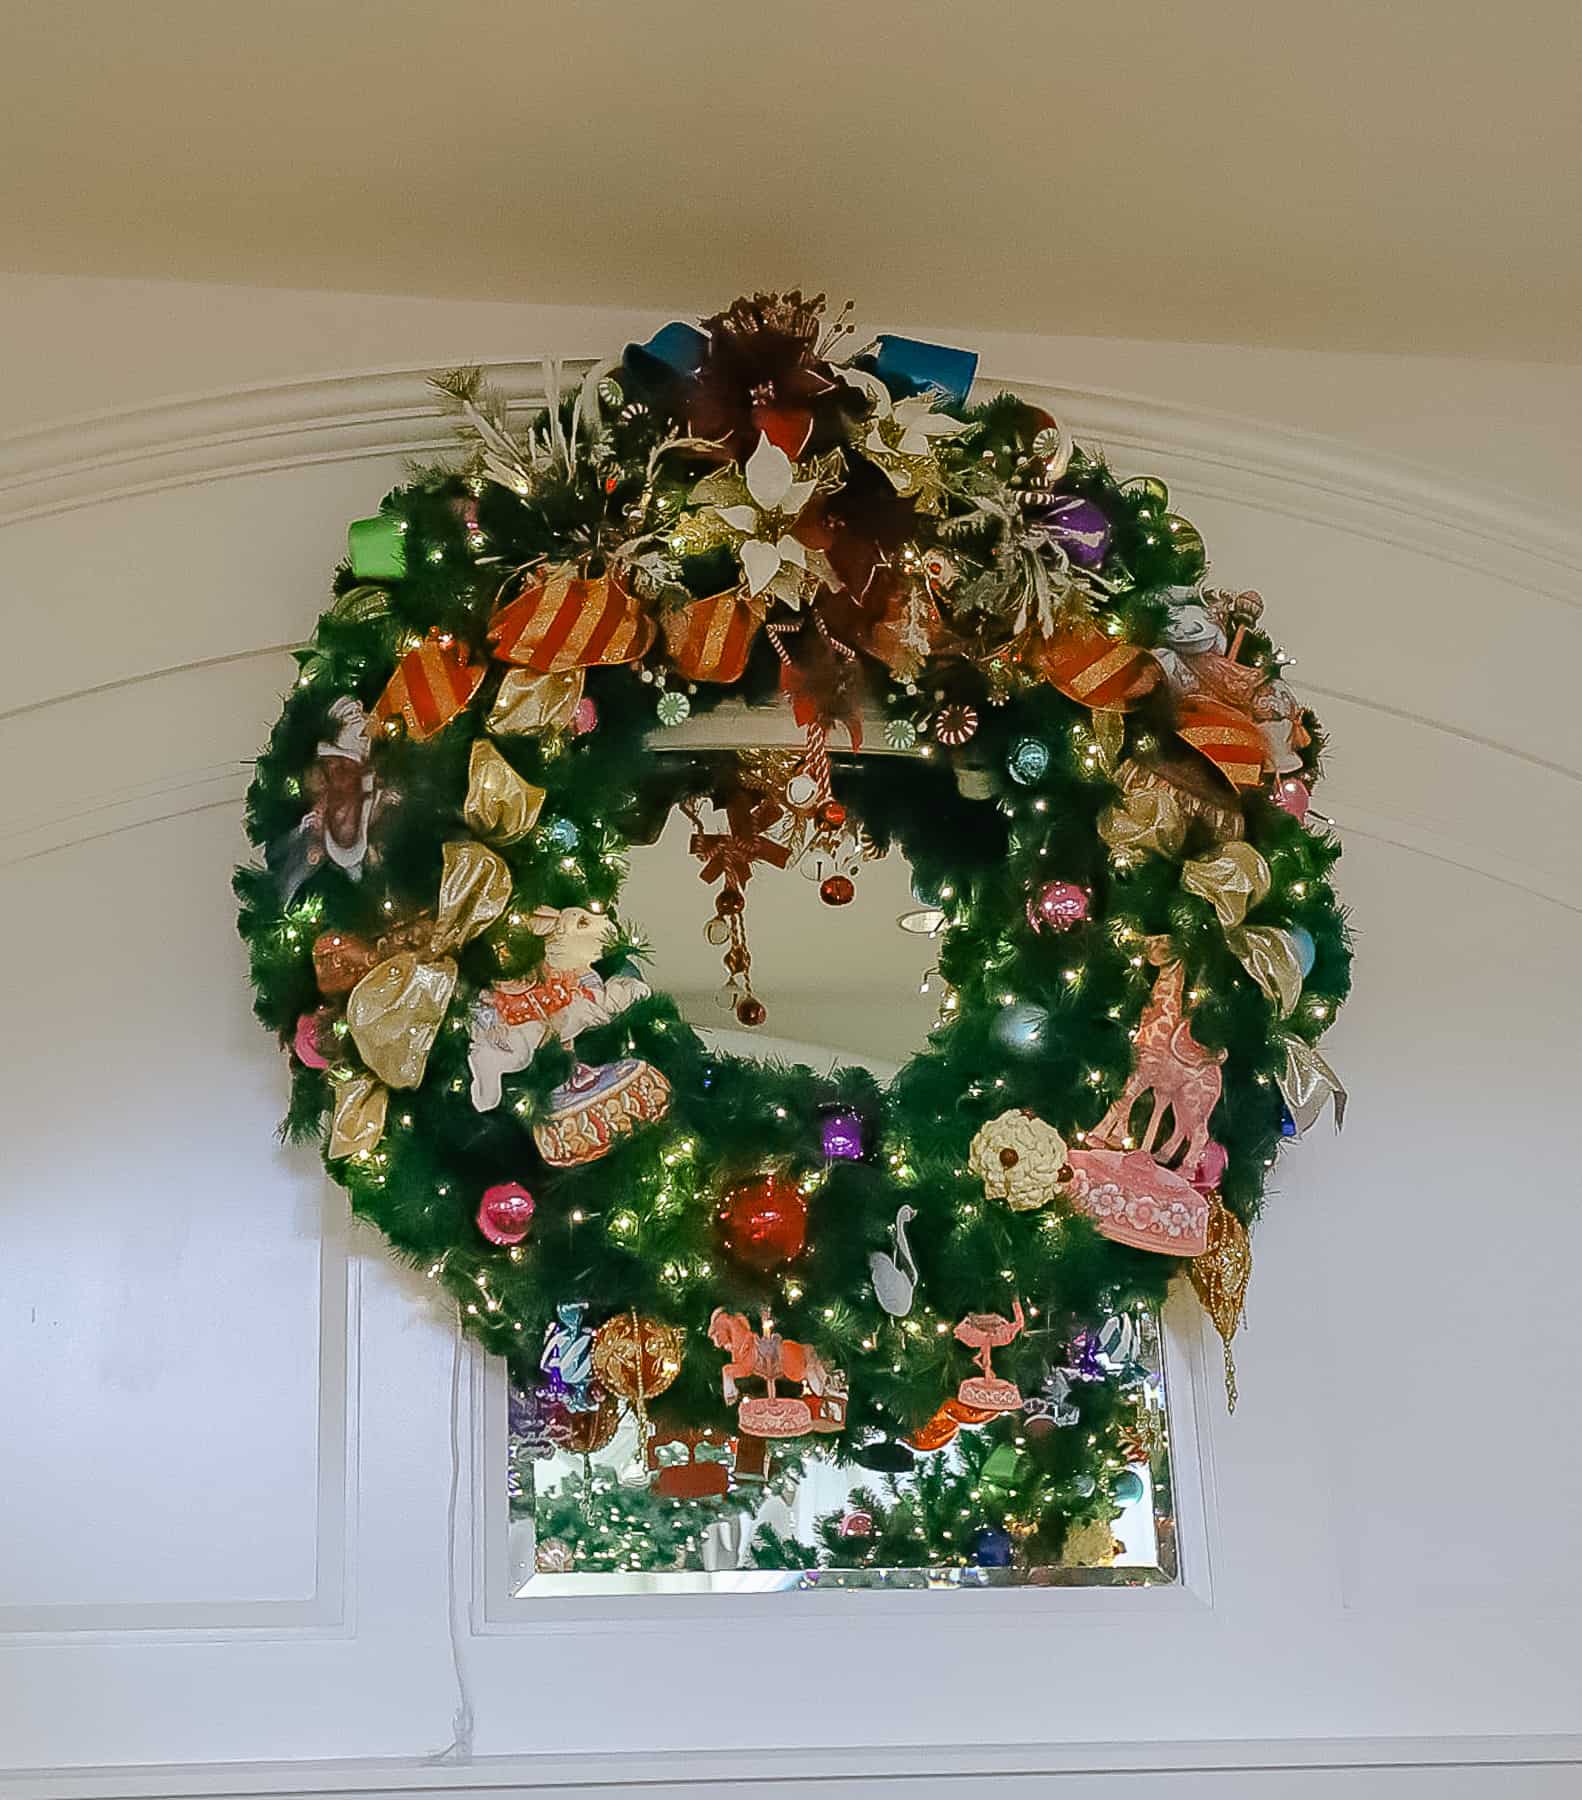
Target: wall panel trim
[[1242, 1768]]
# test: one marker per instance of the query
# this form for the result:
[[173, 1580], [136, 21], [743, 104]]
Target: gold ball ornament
[[1220, 1276], [636, 1356]]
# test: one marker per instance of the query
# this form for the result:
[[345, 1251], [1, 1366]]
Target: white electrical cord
[[459, 1749]]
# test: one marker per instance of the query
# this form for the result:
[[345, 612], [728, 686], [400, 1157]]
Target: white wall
[[226, 1422]]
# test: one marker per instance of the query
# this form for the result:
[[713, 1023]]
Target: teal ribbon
[[674, 350], [909, 366]]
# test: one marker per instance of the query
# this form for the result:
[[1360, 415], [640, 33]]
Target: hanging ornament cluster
[[995, 657]]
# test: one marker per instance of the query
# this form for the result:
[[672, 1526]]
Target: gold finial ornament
[[1220, 1276]]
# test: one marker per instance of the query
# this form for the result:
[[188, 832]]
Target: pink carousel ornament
[[986, 1333]]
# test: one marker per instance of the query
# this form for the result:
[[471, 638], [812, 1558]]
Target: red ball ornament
[[837, 890], [831, 813], [505, 1213], [764, 1222], [1057, 906], [751, 1011]]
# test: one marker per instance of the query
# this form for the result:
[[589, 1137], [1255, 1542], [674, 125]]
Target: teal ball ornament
[[1019, 1027], [1028, 762], [1306, 949], [1127, 1487]]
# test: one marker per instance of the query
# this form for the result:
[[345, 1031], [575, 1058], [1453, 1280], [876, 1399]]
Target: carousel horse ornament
[[771, 1359]]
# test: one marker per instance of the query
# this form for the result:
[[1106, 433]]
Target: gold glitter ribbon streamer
[[1109, 733], [394, 1013], [1147, 821], [499, 803], [358, 1121], [1308, 1085], [1233, 878], [1268, 954]]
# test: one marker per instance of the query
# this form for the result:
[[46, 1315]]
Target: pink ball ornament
[[1292, 796], [856, 1524], [1211, 1166], [1057, 906], [306, 1041], [585, 718], [505, 1213]]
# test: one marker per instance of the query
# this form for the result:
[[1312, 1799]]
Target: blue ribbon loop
[[675, 350], [909, 366]]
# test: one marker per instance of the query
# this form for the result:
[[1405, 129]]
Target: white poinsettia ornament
[[1020, 1159], [774, 562], [900, 437]]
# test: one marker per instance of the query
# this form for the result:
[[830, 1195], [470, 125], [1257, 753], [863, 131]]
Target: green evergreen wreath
[[1090, 764]]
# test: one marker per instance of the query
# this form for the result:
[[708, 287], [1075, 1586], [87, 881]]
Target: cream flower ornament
[[900, 436], [1020, 1159], [772, 559]]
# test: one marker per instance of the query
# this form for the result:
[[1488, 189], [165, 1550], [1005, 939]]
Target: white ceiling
[[1344, 174]]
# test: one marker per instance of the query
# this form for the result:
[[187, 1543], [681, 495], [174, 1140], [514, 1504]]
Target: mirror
[[627, 1510]]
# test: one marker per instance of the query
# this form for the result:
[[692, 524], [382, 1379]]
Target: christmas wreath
[[1004, 664]]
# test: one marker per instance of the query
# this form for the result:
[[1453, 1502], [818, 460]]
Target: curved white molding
[[392, 412]]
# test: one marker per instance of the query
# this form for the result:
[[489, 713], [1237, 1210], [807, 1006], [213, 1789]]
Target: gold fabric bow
[[1308, 1085], [394, 1013], [499, 803], [1269, 956], [1233, 878], [1146, 821], [529, 704]]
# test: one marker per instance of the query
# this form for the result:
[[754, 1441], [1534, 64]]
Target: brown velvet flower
[[762, 373]]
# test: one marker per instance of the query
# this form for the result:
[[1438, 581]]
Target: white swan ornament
[[895, 1277]]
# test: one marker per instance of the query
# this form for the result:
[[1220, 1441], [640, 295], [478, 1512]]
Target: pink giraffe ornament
[[1169, 1063]]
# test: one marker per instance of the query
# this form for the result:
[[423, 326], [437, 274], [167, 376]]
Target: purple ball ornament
[[1076, 526], [1085, 1363], [841, 1132], [991, 1548], [1057, 906]]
